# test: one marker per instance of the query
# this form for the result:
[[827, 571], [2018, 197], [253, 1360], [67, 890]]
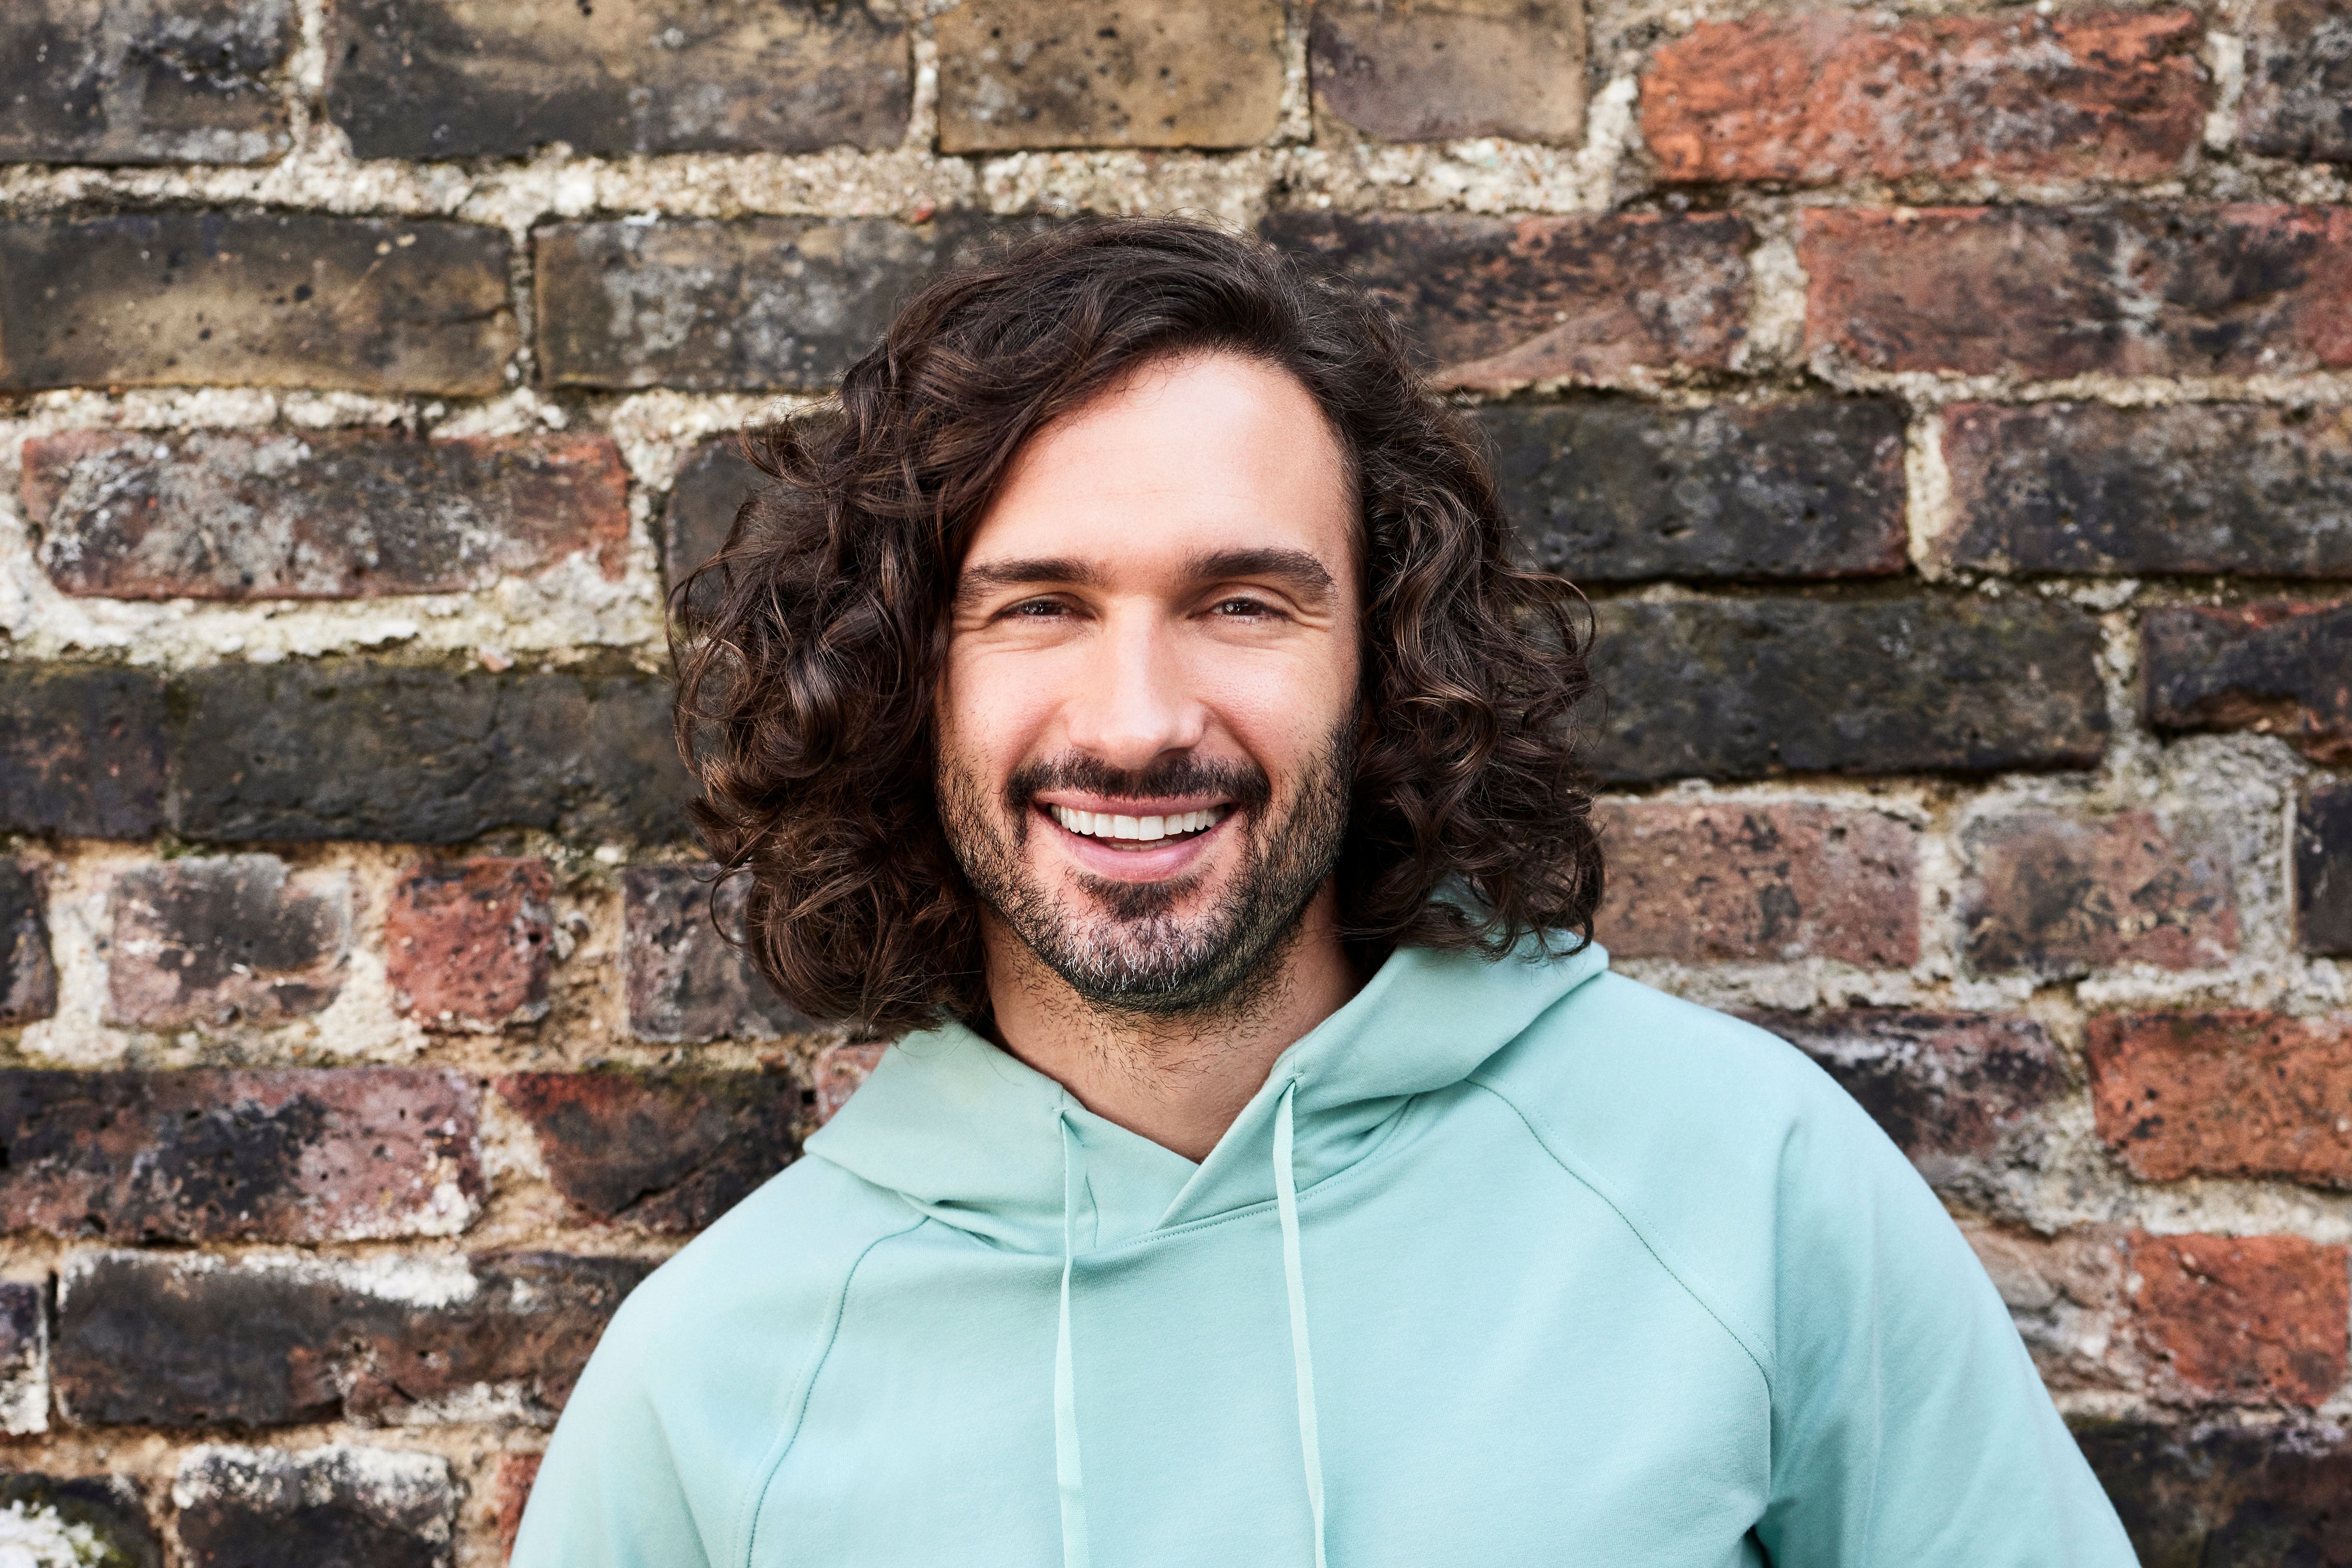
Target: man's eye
[[1240, 606], [1036, 608]]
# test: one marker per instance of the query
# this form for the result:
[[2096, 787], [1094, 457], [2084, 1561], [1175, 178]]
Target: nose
[[1134, 704]]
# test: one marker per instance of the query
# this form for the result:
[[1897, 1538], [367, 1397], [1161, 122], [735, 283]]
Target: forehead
[[1209, 452]]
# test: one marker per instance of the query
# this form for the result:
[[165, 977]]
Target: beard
[[1125, 947]]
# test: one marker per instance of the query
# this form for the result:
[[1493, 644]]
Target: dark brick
[[298, 1154], [2322, 868], [1131, 73], [423, 755], [1467, 68], [841, 1070], [748, 302], [225, 514], [2276, 669], [183, 298], [515, 1475], [457, 79], [2236, 1093], [2082, 487], [712, 483], [29, 977], [1829, 95], [81, 749], [670, 1153], [1750, 688], [2298, 100], [332, 1507], [173, 1340], [466, 945], [217, 941], [1616, 491], [178, 82], [1941, 1084], [2219, 1497], [1759, 882], [2059, 895], [685, 981], [108, 1507], [24, 1358], [1493, 303], [2043, 292], [2255, 1319]]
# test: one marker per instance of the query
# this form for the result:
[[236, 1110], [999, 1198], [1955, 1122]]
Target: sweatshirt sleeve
[[1909, 1424]]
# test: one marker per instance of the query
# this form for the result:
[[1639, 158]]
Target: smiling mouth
[[1133, 832]]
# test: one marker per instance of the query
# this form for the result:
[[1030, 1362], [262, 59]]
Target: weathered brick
[[2322, 868], [274, 1154], [81, 749], [747, 303], [224, 514], [138, 82], [685, 981], [1760, 881], [2250, 1319], [24, 1359], [423, 755], [167, 1340], [2236, 1093], [29, 977], [1493, 303], [353, 1508], [669, 1152], [87, 1522], [2043, 292], [1821, 95], [461, 79], [2298, 99], [2058, 894], [1461, 68], [2065, 1293], [515, 1475], [2276, 669], [2083, 487], [1749, 688], [222, 939], [1619, 491], [1131, 73], [840, 1071], [712, 484], [466, 943], [180, 298], [1941, 1084], [2212, 1496]]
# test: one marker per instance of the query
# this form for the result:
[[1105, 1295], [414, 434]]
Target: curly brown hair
[[810, 646]]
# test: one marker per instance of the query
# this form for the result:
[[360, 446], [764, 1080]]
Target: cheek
[[988, 715]]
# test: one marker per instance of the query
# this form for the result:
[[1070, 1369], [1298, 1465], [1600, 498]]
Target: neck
[[1178, 1079]]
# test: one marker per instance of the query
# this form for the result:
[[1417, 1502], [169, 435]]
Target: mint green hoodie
[[1508, 1263]]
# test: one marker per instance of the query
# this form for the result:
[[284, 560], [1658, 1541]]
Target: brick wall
[[1949, 412]]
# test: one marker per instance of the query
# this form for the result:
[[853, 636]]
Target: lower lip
[[1169, 858]]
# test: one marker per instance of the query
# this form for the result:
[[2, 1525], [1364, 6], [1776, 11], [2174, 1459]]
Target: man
[[1128, 698]]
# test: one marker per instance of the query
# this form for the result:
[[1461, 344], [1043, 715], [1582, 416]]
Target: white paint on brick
[[37, 1538]]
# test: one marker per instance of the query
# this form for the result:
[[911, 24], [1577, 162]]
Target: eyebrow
[[1305, 577]]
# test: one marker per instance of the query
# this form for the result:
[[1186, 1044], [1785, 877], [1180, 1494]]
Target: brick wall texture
[[1946, 408]]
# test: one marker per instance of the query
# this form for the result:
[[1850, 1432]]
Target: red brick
[[1437, 72], [2275, 669], [1821, 95], [220, 940], [686, 981], [668, 1152], [2236, 1093], [2059, 894], [516, 1474], [2252, 1320], [2067, 1294], [466, 943], [1493, 303], [1941, 1084], [840, 1070], [2298, 100], [1760, 881], [2042, 291], [301, 1154], [228, 514], [81, 749], [2211, 1493], [354, 1508], [28, 976]]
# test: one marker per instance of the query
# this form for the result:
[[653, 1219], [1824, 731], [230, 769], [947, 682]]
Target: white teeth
[[1136, 829]]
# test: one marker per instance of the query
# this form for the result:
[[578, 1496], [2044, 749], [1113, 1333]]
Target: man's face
[[1147, 723]]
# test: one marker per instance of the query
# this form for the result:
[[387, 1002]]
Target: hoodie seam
[[1549, 1139], [747, 1522]]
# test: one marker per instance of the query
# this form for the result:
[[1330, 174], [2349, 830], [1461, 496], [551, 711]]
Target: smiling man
[[1126, 698]]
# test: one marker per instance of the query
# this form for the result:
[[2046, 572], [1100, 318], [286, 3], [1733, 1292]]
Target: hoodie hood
[[973, 1138]]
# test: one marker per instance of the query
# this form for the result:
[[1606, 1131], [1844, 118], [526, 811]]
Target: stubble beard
[[1123, 947]]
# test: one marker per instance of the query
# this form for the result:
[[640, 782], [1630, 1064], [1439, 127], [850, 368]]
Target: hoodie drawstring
[[1066, 1476], [1302, 1357]]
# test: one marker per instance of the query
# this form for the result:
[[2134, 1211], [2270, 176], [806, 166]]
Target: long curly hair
[[809, 648]]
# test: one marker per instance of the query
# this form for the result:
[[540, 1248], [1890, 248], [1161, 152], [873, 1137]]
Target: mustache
[[1242, 783]]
